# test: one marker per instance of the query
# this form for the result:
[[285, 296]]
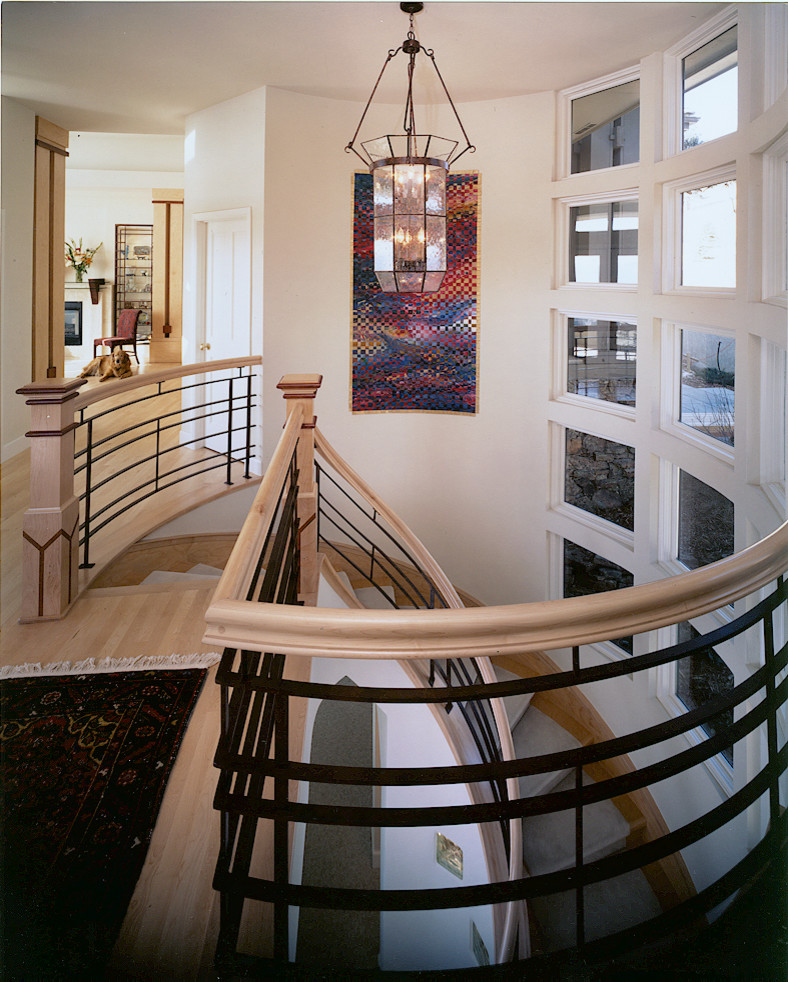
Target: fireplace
[[73, 322]]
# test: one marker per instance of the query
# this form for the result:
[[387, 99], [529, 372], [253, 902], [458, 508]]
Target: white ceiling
[[142, 67]]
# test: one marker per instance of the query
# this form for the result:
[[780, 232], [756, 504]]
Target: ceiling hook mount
[[410, 45]]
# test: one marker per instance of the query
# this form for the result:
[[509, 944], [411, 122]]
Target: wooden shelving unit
[[134, 274]]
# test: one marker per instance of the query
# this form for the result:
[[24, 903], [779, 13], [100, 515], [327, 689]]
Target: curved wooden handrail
[[491, 631], [240, 568], [100, 392]]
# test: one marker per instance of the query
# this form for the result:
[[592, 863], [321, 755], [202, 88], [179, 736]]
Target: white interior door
[[227, 308]]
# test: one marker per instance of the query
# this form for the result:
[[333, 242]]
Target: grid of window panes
[[586, 572], [602, 359], [705, 523], [599, 477], [710, 90], [603, 242], [708, 236], [701, 676], [606, 128], [708, 376]]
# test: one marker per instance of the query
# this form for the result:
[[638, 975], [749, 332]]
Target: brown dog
[[116, 365]]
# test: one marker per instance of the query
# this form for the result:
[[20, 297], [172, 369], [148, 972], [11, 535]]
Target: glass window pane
[[603, 242], [599, 477], [708, 376], [586, 572], [708, 236], [701, 676], [710, 87], [601, 359], [705, 523], [606, 128]]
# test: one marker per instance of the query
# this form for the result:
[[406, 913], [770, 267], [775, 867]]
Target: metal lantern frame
[[409, 187]]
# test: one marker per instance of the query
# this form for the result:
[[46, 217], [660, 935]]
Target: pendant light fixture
[[409, 188]]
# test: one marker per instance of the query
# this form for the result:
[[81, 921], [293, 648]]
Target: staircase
[[548, 840]]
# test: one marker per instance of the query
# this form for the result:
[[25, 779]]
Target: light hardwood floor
[[170, 928]]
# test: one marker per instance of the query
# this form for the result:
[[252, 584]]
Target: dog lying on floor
[[116, 365]]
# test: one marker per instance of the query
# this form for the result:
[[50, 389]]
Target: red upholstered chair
[[126, 333]]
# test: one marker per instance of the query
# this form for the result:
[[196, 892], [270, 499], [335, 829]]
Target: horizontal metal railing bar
[[151, 457], [539, 683], [348, 559], [153, 432], [515, 807], [241, 399], [171, 484], [524, 888], [373, 518], [527, 766]]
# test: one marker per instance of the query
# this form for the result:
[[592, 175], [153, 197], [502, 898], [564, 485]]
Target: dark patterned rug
[[85, 760]]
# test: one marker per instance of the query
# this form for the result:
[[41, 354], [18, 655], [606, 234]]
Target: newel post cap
[[51, 391], [299, 386]]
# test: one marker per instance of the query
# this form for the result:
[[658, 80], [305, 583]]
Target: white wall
[[434, 469], [18, 142]]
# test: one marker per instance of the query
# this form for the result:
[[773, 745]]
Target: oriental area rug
[[414, 352], [85, 760]]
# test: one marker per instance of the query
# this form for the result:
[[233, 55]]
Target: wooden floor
[[170, 929]]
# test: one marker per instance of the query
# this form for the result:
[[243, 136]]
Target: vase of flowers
[[78, 258]]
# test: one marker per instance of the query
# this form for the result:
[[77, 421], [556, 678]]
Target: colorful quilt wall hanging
[[417, 352]]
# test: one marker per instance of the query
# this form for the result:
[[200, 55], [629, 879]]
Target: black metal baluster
[[579, 895], [86, 563], [281, 852], [229, 431], [771, 718], [248, 424]]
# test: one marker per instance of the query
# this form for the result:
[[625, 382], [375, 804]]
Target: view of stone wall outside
[[601, 359], [585, 572], [599, 477], [708, 378], [701, 676], [705, 523]]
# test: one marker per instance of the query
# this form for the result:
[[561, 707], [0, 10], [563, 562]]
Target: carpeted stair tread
[[537, 734], [549, 840], [515, 705], [614, 905]]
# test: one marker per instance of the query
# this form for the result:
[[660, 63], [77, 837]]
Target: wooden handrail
[[502, 630], [99, 392]]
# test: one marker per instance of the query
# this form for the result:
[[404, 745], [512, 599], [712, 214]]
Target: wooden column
[[300, 390], [167, 320], [49, 234], [50, 529]]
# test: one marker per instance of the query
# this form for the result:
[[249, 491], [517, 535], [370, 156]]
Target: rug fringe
[[90, 666]]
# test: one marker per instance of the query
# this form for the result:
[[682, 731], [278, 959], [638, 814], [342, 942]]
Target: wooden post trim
[[300, 391]]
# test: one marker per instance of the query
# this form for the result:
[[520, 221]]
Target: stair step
[[537, 734], [611, 906], [198, 572], [372, 598], [549, 840], [515, 705]]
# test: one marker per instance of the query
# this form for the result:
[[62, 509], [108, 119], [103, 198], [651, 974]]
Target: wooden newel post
[[300, 390], [50, 552]]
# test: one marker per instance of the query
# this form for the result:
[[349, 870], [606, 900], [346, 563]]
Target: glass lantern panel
[[387, 281], [383, 190], [410, 282], [384, 243], [409, 243], [436, 190], [433, 281], [409, 189], [436, 243]]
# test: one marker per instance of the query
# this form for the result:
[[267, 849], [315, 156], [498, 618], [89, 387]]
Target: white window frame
[[624, 537], [670, 390], [564, 129], [770, 409], [563, 235], [560, 327], [672, 238], [667, 676], [775, 62], [775, 221], [673, 128]]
